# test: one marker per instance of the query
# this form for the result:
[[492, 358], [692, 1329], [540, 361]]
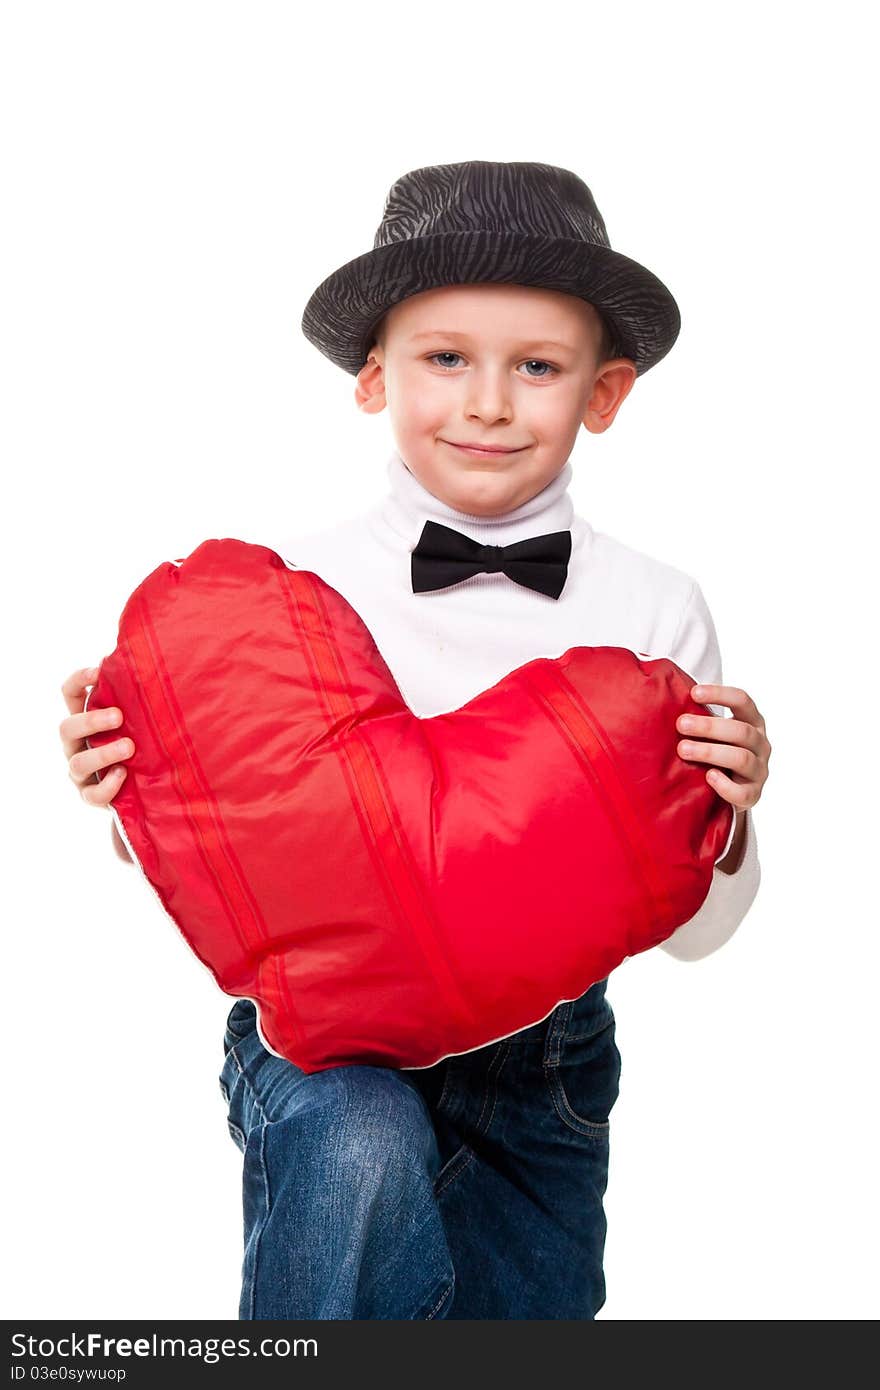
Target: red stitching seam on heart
[[383, 833], [570, 715], [198, 803]]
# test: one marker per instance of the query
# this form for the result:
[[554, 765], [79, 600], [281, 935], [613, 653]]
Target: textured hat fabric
[[480, 221], [389, 889]]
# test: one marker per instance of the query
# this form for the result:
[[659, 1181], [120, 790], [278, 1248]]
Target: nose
[[488, 397]]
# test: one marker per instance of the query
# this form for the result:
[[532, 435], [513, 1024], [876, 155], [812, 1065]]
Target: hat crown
[[483, 195], [483, 221]]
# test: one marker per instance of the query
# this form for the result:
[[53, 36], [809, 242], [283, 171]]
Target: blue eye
[[532, 362]]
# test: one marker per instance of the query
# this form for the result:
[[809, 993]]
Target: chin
[[484, 494], [481, 505]]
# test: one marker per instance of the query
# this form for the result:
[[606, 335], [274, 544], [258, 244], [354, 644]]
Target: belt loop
[[556, 1028]]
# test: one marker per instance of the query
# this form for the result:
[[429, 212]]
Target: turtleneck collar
[[409, 505]]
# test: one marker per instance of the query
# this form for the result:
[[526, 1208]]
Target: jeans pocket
[[583, 1075]]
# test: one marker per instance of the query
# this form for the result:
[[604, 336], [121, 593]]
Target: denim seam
[[445, 1085], [480, 1128], [442, 1299], [555, 1033], [597, 1128], [244, 1077], [500, 1057], [456, 1168], [262, 1225]]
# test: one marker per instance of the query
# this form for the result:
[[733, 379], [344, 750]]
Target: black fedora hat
[[511, 223]]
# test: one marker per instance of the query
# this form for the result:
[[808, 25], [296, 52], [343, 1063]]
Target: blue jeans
[[470, 1189]]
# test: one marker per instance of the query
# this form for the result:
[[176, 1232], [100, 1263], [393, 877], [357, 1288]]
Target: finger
[[82, 766], [742, 705], [725, 755], [742, 795], [74, 688], [102, 793], [725, 730], [75, 727]]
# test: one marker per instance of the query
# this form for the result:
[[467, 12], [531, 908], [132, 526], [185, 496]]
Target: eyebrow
[[453, 333]]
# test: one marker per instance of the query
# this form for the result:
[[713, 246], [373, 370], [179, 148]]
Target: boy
[[492, 319]]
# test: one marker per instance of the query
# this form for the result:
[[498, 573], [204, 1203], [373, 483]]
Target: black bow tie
[[444, 557]]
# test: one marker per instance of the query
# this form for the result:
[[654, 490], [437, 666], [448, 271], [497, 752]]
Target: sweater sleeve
[[695, 649]]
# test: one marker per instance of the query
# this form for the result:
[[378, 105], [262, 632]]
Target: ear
[[613, 382], [369, 392]]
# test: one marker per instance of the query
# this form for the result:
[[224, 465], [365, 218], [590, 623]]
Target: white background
[[179, 177]]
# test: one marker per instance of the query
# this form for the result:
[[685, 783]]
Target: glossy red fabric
[[389, 889]]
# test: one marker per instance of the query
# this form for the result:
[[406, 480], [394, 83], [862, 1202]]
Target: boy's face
[[487, 364]]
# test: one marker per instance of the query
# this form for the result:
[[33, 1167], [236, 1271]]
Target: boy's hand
[[742, 747], [82, 760]]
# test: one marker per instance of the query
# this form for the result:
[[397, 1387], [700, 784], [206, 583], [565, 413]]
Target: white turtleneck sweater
[[445, 646]]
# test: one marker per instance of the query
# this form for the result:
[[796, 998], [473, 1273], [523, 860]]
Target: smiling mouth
[[479, 452]]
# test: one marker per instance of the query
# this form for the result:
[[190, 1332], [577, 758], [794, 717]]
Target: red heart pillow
[[389, 889]]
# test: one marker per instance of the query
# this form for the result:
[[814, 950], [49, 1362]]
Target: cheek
[[417, 395], [557, 403], [423, 407]]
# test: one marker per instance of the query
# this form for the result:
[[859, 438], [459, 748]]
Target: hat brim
[[342, 314]]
